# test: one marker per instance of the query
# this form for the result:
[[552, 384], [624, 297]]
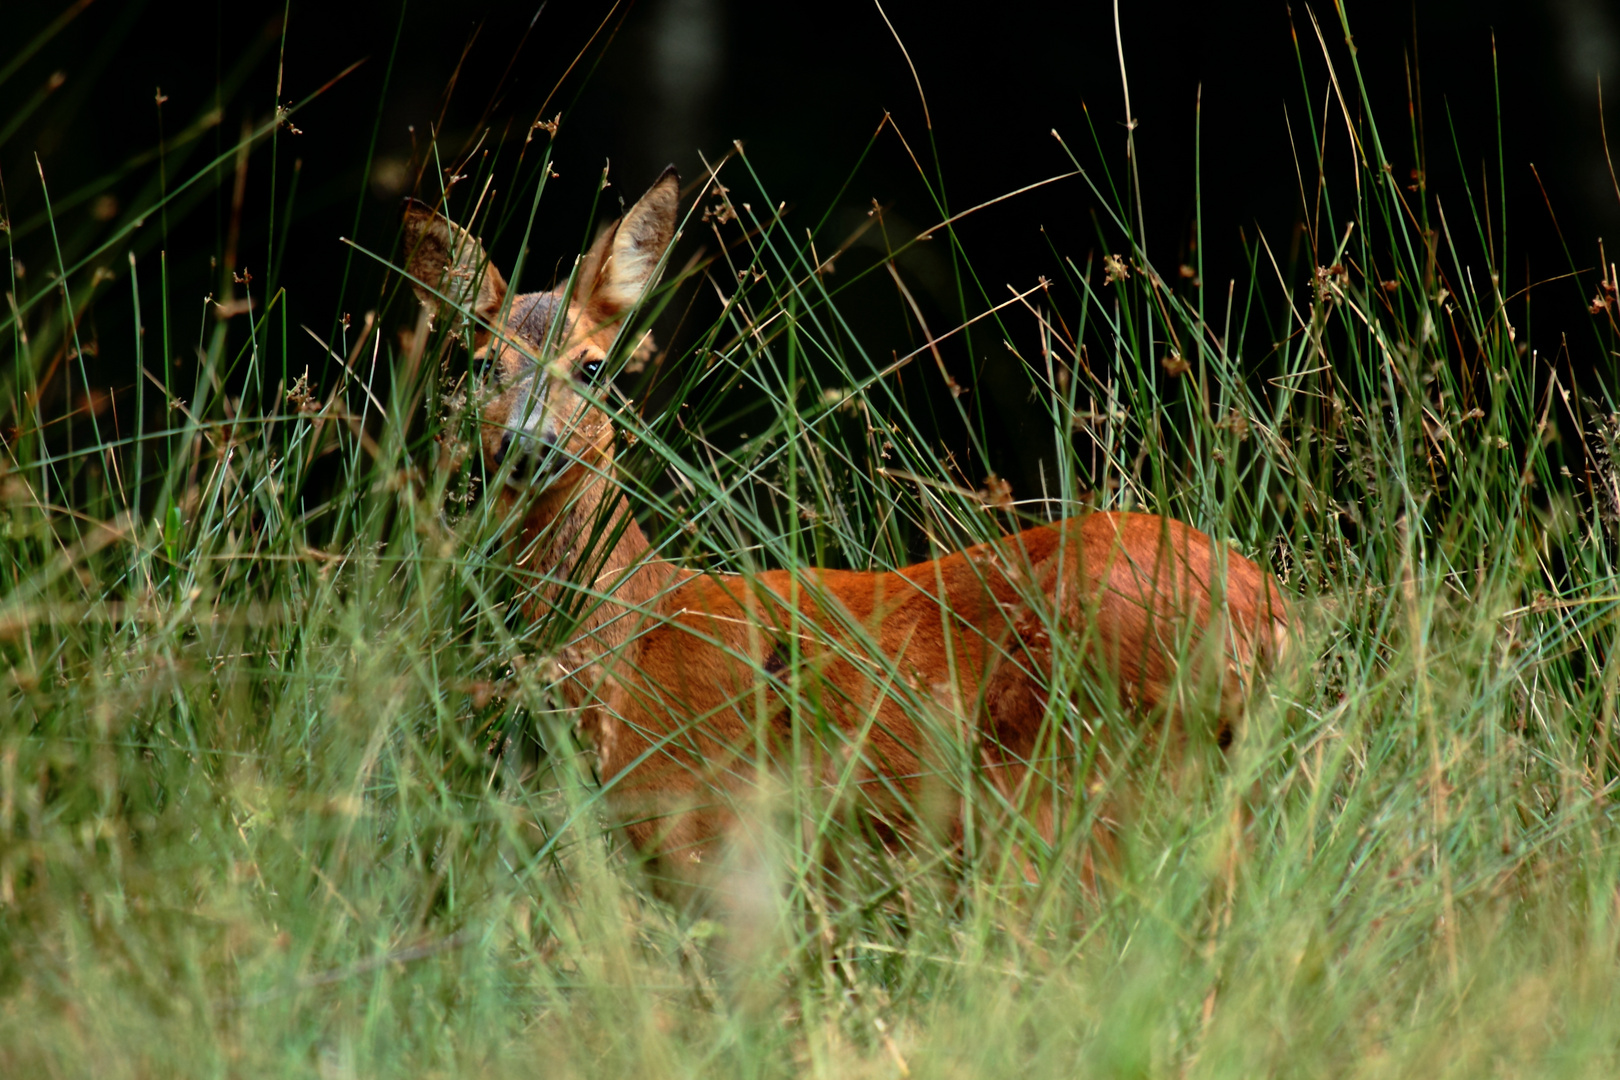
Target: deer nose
[[535, 457], [537, 446]]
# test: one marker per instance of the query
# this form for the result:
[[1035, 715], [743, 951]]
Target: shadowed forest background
[[804, 87]]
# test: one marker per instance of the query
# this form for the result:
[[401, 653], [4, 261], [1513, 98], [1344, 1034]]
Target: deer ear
[[619, 266], [448, 265]]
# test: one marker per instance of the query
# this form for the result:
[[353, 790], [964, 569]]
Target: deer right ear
[[620, 265], [448, 265]]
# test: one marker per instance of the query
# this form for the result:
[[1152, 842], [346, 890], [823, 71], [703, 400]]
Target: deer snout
[[526, 443], [536, 457]]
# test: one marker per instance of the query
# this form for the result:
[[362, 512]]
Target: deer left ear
[[449, 266], [620, 265]]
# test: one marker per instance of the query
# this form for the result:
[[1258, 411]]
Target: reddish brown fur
[[681, 677]]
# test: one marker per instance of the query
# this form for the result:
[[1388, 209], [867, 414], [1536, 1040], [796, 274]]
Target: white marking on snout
[[533, 415]]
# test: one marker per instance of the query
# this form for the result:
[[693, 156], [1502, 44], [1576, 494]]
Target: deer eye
[[588, 372], [492, 372]]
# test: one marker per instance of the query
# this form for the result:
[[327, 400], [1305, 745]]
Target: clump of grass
[[264, 803]]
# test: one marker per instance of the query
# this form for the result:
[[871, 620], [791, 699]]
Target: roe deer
[[679, 677]]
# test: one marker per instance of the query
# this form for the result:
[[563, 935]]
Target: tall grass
[[285, 787]]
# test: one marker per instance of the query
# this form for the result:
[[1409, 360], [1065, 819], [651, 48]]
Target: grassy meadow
[[286, 789]]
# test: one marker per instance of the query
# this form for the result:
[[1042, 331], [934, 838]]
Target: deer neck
[[596, 564]]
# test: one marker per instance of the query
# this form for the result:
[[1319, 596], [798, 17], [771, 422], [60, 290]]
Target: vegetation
[[284, 787]]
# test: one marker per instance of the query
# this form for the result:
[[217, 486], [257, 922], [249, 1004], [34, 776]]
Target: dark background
[[804, 86]]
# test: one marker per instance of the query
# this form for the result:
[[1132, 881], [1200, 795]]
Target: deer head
[[541, 349]]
